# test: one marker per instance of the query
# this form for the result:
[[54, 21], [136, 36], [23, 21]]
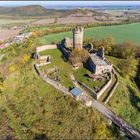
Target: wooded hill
[[37, 10]]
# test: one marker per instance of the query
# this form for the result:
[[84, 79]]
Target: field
[[6, 21], [5, 34], [121, 33]]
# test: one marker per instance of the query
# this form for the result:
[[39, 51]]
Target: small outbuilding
[[76, 92]]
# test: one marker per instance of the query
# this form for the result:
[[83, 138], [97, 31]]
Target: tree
[[108, 43], [13, 67], [26, 58], [1, 42], [78, 56], [28, 43], [125, 50]]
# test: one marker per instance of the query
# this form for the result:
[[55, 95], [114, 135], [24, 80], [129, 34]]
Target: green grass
[[121, 33], [64, 67], [126, 98], [32, 108], [66, 70], [79, 74]]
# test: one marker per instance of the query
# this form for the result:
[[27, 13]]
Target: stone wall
[[104, 88], [89, 90], [113, 88], [46, 47], [100, 92]]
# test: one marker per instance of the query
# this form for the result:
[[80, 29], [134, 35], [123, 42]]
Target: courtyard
[[60, 69]]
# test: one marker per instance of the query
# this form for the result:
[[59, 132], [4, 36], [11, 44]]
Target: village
[[19, 38]]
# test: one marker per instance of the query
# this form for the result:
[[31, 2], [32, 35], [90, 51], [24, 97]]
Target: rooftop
[[97, 60], [76, 91]]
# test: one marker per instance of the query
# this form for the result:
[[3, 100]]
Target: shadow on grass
[[40, 137], [135, 100], [137, 78], [137, 81]]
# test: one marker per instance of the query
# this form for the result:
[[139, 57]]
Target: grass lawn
[[64, 67], [121, 33], [79, 74]]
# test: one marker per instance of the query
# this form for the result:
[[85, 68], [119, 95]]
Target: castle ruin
[[97, 61], [78, 37]]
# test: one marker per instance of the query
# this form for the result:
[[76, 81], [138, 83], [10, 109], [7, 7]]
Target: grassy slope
[[121, 33], [29, 107], [126, 98], [34, 108]]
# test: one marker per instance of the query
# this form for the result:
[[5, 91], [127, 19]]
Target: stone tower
[[78, 37]]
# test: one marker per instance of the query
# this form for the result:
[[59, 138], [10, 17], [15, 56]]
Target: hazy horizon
[[68, 3]]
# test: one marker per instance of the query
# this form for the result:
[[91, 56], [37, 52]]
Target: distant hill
[[31, 10], [37, 10]]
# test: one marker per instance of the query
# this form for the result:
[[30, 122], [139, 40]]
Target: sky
[[57, 3]]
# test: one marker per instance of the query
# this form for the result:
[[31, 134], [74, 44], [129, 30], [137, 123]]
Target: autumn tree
[[1, 42], [108, 44], [128, 68], [78, 56], [125, 50]]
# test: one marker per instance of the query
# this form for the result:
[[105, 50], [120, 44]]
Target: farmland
[[121, 33], [5, 21], [6, 34]]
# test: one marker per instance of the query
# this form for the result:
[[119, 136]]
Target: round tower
[[78, 37]]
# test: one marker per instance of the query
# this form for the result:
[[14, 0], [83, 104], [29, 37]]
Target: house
[[76, 92], [99, 65]]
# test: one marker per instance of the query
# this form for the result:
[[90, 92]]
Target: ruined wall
[[104, 88]]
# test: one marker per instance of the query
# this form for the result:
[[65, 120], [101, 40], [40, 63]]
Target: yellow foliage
[[26, 58], [1, 87], [34, 35], [12, 67], [1, 42]]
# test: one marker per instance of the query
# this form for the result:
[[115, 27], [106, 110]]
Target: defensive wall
[[113, 88], [101, 91]]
